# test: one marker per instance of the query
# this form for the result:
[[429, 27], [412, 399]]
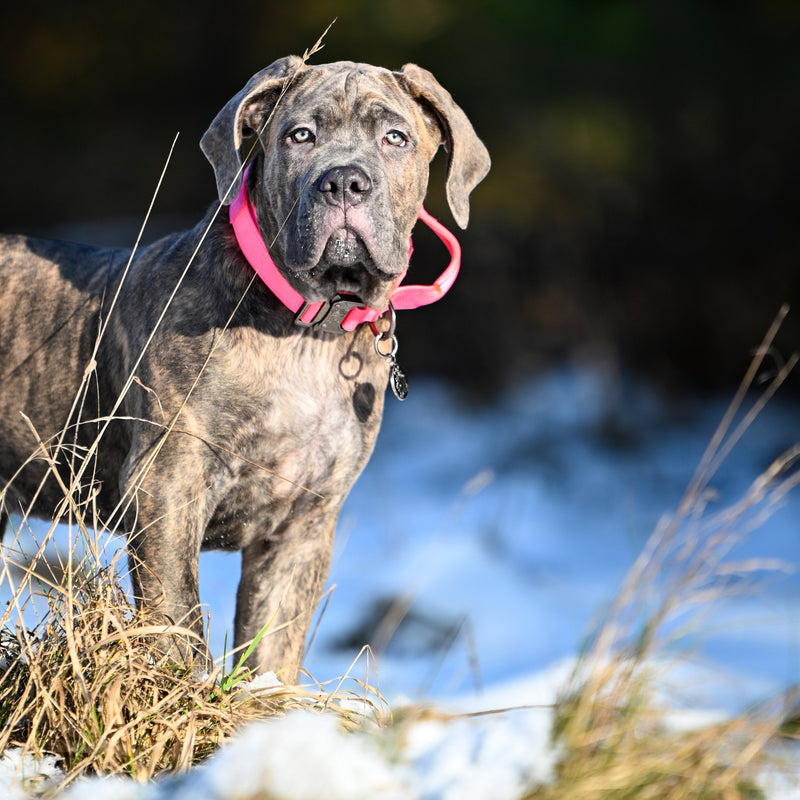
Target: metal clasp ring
[[388, 336]]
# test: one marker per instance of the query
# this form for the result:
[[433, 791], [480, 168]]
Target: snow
[[21, 775], [305, 755], [267, 680], [503, 531], [301, 756]]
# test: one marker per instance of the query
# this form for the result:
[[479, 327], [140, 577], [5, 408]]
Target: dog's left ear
[[469, 160], [223, 139]]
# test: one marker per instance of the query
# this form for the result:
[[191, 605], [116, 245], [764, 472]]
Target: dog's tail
[[3, 523]]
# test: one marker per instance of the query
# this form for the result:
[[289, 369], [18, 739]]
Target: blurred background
[[642, 209]]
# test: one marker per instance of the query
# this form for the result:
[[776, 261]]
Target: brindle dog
[[222, 423]]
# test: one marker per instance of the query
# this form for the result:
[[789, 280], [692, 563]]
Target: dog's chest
[[301, 427]]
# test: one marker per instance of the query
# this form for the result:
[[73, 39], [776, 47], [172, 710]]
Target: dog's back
[[51, 294]]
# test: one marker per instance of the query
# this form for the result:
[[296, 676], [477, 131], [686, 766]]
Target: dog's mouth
[[343, 251], [345, 248], [347, 267]]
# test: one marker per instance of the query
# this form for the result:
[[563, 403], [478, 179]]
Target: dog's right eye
[[301, 136]]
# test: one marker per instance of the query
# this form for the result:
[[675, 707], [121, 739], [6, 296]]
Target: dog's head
[[344, 168]]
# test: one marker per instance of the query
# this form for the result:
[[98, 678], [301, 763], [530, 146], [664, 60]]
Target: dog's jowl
[[225, 382]]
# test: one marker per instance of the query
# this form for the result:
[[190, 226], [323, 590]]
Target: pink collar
[[342, 313]]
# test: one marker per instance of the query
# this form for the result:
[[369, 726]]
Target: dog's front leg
[[164, 570], [166, 525], [281, 584]]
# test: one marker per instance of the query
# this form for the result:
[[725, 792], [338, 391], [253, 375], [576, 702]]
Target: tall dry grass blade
[[715, 452], [645, 570], [610, 724], [318, 45]]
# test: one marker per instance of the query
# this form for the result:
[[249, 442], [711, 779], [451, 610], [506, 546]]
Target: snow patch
[[25, 776], [302, 756]]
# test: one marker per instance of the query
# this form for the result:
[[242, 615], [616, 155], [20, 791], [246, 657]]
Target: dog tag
[[398, 381], [397, 378]]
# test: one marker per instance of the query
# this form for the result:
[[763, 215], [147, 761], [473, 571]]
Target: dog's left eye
[[302, 136], [396, 139]]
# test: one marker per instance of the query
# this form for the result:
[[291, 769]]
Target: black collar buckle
[[331, 315]]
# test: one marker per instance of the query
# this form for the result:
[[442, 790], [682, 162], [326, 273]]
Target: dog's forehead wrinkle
[[351, 88], [348, 92]]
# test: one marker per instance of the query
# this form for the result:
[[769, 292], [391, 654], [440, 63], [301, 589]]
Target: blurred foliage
[[642, 206]]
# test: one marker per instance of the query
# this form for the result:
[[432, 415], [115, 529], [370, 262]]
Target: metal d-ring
[[388, 336]]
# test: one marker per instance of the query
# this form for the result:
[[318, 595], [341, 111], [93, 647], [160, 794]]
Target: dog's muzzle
[[342, 313]]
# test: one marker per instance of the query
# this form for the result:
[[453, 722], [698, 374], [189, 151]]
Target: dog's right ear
[[223, 139]]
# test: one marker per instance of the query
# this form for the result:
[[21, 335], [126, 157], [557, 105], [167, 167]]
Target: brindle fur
[[282, 419]]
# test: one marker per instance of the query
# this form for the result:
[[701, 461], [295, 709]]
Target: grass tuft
[[90, 685], [611, 728], [615, 744]]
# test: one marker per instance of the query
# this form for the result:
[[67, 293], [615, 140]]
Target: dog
[[178, 395]]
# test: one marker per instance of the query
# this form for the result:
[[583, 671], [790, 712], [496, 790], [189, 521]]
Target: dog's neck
[[341, 313]]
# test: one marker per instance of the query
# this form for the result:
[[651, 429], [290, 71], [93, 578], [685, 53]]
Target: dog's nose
[[345, 186]]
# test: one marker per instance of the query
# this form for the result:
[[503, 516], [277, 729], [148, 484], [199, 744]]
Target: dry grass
[[90, 684], [610, 726], [615, 745]]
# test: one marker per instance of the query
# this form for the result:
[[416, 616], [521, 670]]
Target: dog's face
[[346, 155], [344, 168]]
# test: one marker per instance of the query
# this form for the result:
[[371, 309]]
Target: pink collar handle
[[343, 313]]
